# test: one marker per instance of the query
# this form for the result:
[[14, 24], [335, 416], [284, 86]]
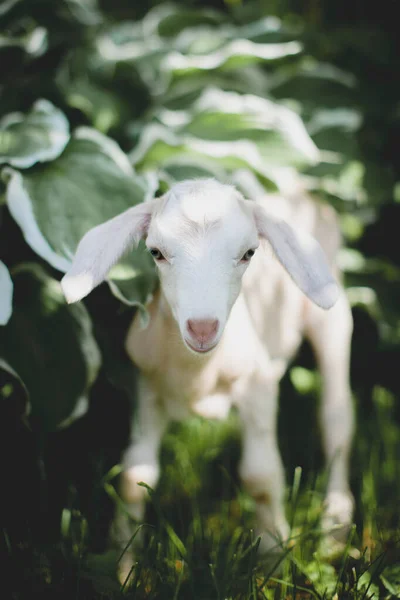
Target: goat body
[[223, 327]]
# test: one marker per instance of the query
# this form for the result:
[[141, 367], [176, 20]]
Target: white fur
[[203, 229], [101, 248]]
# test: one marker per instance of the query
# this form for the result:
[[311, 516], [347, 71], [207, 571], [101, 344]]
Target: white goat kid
[[224, 324]]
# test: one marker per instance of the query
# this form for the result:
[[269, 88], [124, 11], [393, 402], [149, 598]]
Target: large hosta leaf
[[340, 172], [55, 204], [130, 40], [268, 29], [277, 130], [51, 347], [233, 130], [315, 84], [39, 136], [334, 130], [161, 149], [6, 294], [186, 90], [235, 54], [171, 44]]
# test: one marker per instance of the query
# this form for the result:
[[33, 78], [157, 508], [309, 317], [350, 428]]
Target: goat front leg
[[330, 335], [260, 469], [140, 464]]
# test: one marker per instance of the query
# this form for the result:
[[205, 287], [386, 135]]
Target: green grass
[[199, 542]]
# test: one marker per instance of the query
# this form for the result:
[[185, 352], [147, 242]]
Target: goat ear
[[302, 257], [102, 247]]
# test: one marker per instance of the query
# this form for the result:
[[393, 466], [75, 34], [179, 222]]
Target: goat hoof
[[336, 523], [271, 555], [272, 546], [338, 514], [126, 538]]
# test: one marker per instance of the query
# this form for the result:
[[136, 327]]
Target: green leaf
[[267, 29], [57, 203], [187, 168], [184, 91], [304, 380], [169, 45], [34, 43], [101, 106], [159, 147], [340, 173], [6, 294], [232, 130], [169, 20], [322, 575], [7, 5], [39, 136], [333, 130], [235, 54], [86, 12], [314, 84], [344, 119], [344, 179], [128, 42], [51, 347], [391, 579], [278, 131], [370, 590]]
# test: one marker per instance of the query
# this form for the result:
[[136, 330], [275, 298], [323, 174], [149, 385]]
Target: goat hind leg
[[330, 335]]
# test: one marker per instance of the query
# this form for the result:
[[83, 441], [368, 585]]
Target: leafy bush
[[64, 171]]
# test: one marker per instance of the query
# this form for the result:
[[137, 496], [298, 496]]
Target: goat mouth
[[200, 350]]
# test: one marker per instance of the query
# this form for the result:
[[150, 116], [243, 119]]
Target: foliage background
[[116, 101]]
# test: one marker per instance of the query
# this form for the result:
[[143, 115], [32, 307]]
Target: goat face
[[202, 238], [202, 235]]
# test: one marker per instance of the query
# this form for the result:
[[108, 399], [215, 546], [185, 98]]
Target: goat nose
[[203, 330]]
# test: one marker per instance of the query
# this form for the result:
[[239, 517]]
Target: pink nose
[[202, 330]]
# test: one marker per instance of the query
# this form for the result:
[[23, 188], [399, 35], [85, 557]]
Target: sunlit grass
[[199, 541]]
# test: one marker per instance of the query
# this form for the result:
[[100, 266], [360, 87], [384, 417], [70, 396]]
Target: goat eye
[[156, 254], [247, 256]]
